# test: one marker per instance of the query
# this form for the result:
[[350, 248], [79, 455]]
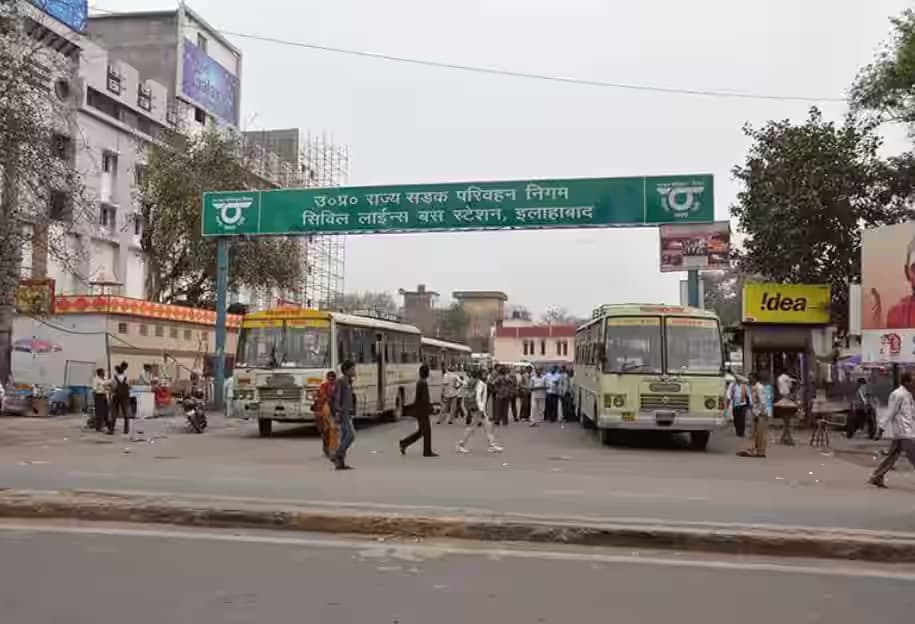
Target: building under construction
[[289, 158]]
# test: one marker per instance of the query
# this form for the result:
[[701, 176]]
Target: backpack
[[470, 395]]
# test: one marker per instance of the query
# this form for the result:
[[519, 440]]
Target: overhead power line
[[494, 71]]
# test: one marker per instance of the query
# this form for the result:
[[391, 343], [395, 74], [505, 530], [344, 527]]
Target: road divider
[[212, 512]]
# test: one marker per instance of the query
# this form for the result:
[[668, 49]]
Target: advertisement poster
[[209, 84], [786, 304], [888, 294], [701, 246], [73, 13]]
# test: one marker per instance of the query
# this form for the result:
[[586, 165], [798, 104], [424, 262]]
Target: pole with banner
[[222, 287], [692, 289]]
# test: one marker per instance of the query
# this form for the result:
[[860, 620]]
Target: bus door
[[380, 372]]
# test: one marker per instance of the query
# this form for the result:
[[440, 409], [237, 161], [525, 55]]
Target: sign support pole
[[222, 287], [692, 289]]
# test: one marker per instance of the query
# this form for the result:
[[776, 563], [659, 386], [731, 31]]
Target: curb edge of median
[[731, 540]]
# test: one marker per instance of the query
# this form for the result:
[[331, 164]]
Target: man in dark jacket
[[422, 408], [344, 413]]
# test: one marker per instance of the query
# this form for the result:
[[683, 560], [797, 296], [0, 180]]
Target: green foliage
[[181, 264], [558, 315], [723, 290], [453, 323], [377, 302], [886, 87], [808, 189]]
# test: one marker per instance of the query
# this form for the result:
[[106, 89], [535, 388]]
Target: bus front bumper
[[276, 410], [662, 421]]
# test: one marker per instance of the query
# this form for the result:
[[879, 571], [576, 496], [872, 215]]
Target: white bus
[[441, 355], [284, 355]]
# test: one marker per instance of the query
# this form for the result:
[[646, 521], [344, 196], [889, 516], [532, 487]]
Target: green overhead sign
[[518, 204]]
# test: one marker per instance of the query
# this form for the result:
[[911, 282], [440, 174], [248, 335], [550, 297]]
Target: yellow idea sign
[[786, 304]]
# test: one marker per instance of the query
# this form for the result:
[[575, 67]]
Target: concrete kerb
[[729, 539]]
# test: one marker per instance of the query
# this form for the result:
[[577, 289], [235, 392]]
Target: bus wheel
[[698, 440], [397, 414], [264, 427], [606, 437]]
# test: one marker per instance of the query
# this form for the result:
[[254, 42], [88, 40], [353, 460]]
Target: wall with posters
[[887, 300], [700, 246]]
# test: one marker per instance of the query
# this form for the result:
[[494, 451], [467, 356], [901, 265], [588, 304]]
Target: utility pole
[[222, 287]]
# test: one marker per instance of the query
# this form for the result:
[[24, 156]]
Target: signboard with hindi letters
[[519, 204]]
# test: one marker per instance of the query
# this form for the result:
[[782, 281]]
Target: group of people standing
[[481, 398], [112, 399]]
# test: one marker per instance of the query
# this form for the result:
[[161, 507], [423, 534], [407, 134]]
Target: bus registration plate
[[664, 419]]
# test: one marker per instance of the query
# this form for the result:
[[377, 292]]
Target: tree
[[521, 312], [808, 189], [886, 87], [376, 302], [557, 315], [181, 265], [453, 323], [723, 290], [42, 198]]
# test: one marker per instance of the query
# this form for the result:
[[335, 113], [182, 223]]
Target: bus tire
[[606, 436], [698, 440], [397, 413], [264, 427]]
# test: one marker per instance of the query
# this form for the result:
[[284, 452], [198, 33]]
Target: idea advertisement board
[[786, 304], [695, 246]]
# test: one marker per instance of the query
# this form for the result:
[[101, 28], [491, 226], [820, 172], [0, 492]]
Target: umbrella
[[34, 345]]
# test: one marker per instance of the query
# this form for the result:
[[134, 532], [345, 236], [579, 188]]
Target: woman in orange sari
[[324, 420]]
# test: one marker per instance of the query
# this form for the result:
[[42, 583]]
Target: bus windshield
[[693, 346], [294, 345], [633, 345]]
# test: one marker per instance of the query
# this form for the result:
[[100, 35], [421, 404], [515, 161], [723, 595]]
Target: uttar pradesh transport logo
[[231, 211], [680, 199]]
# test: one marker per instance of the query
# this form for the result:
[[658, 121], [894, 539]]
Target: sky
[[412, 124]]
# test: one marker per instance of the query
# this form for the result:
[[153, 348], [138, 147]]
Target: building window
[[122, 328], [144, 330], [173, 332], [202, 43], [187, 334], [565, 348], [138, 224], [543, 347], [114, 80], [109, 162], [160, 331], [139, 175], [144, 97], [59, 208], [200, 115], [108, 217]]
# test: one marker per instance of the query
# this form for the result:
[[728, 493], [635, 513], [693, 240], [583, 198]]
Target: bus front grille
[[677, 402], [285, 393]]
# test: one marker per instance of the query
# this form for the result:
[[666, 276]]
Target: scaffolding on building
[[316, 162]]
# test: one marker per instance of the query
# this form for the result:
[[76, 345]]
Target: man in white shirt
[[785, 406], [477, 413], [898, 424], [451, 385], [785, 383]]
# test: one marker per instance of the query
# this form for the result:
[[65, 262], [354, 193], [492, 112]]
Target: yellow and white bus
[[284, 355], [441, 355], [651, 367]]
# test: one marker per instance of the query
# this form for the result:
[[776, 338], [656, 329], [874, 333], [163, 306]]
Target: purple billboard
[[209, 84]]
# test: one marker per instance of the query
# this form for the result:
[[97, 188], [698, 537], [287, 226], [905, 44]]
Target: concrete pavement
[[110, 574], [544, 471]]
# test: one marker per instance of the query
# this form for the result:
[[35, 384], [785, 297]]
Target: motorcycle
[[195, 413]]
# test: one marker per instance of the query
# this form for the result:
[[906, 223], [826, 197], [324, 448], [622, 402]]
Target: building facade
[[484, 309], [538, 344], [419, 309]]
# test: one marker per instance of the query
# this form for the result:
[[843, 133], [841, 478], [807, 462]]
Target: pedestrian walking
[[552, 394], [538, 398], [862, 413], [100, 387], [451, 386], [761, 404], [344, 413], [898, 424], [475, 395], [422, 408], [120, 399], [739, 402], [324, 418]]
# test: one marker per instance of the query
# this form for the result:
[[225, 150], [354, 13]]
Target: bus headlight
[[614, 400], [711, 403]]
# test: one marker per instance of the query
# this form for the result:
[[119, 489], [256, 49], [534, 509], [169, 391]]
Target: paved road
[[546, 471], [71, 574]]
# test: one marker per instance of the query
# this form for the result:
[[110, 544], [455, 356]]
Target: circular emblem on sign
[[665, 400], [279, 393], [682, 198], [230, 214]]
